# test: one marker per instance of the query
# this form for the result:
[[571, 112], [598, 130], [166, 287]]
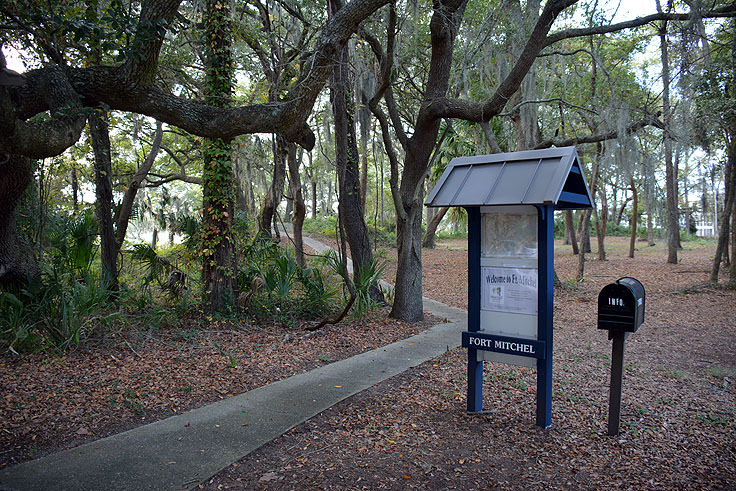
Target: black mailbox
[[621, 305]]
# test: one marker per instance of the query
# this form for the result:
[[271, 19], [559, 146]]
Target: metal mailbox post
[[511, 199], [620, 312]]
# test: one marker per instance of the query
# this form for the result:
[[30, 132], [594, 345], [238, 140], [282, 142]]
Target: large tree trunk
[[100, 137], [346, 148], [17, 263], [673, 226], [408, 304], [218, 272], [725, 220], [408, 197], [431, 231]]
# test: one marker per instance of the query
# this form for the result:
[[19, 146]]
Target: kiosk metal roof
[[551, 176]]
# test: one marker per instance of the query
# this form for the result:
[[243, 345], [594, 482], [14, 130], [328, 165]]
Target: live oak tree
[[44, 112], [436, 105], [715, 126]]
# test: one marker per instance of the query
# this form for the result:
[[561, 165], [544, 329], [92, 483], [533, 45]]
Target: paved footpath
[[184, 450]]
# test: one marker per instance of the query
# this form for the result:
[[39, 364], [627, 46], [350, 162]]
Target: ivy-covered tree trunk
[[218, 272]]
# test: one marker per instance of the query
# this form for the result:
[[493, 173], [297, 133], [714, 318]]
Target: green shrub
[[367, 276], [59, 312], [383, 237], [274, 288], [325, 226], [449, 234]]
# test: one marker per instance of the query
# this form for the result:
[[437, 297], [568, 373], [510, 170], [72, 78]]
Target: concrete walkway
[[182, 451]]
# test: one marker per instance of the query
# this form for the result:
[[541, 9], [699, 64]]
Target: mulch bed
[[678, 425]]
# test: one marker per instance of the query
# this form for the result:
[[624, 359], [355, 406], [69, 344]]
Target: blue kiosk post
[[510, 199]]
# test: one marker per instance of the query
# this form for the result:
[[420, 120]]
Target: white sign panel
[[506, 289]]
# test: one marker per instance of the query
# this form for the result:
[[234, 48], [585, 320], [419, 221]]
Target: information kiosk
[[511, 199]]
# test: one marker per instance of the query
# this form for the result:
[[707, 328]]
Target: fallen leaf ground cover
[[678, 427], [50, 402]]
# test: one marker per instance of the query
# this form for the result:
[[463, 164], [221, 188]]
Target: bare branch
[[726, 11], [559, 100], [167, 178], [127, 205], [486, 127], [610, 135]]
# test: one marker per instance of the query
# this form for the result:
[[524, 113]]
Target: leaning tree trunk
[[17, 263], [100, 136], [276, 189], [730, 203], [429, 234]]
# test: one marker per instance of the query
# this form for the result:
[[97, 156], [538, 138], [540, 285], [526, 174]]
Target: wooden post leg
[[617, 375]]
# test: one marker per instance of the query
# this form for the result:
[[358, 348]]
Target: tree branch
[[726, 11], [154, 20], [443, 107], [41, 139], [112, 86], [135, 183], [610, 135], [165, 179]]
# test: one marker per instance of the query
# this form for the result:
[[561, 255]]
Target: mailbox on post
[[620, 312], [511, 199], [621, 305]]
